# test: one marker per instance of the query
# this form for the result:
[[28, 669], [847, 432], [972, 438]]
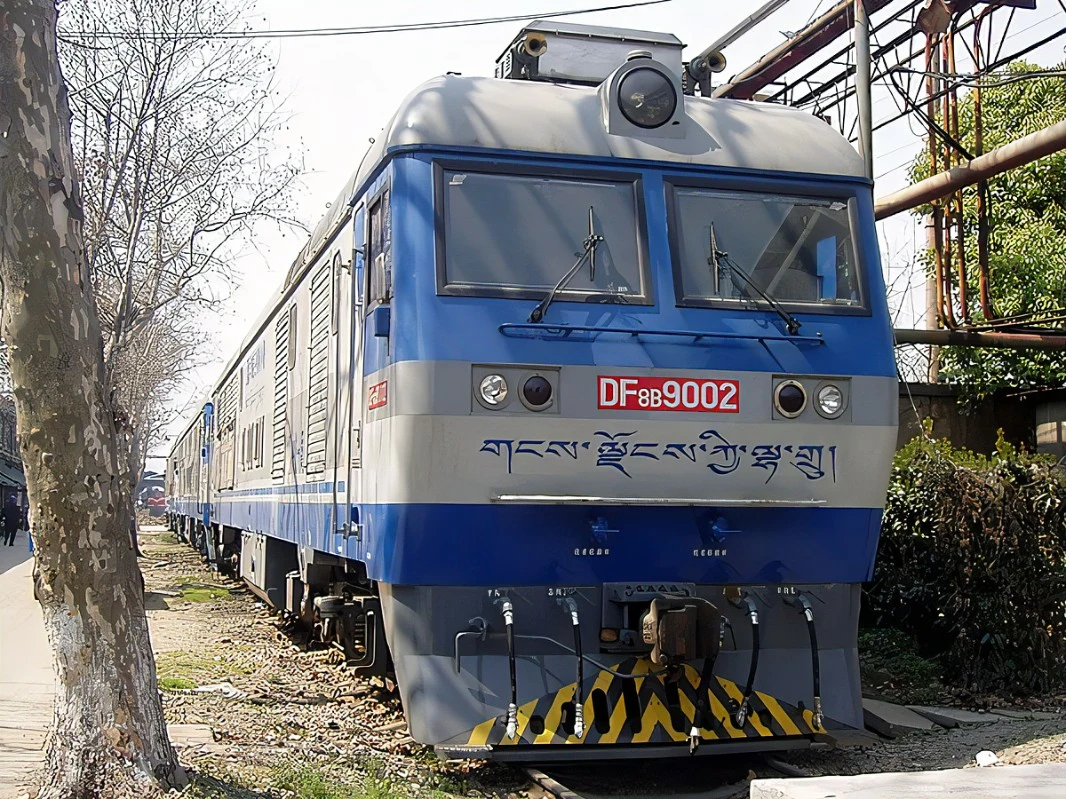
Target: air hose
[[512, 709], [745, 702], [808, 614], [699, 719], [579, 699]]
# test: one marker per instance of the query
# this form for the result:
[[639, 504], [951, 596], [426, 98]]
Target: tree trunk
[[108, 715]]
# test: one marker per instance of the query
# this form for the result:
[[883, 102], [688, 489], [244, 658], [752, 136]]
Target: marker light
[[647, 98], [493, 389], [830, 401], [537, 391], [790, 399]]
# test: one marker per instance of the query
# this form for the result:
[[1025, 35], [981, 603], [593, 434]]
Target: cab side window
[[378, 256]]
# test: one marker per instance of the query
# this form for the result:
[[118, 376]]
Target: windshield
[[516, 235], [798, 250]]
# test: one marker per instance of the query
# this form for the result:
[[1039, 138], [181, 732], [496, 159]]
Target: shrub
[[972, 564]]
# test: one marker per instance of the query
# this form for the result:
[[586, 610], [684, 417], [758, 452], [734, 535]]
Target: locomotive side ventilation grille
[[227, 423], [318, 372], [227, 407], [281, 392]]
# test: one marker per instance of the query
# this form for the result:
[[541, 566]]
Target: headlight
[[647, 98], [830, 401], [790, 399], [493, 389], [537, 392]]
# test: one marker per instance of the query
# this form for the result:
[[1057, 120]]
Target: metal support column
[[862, 86]]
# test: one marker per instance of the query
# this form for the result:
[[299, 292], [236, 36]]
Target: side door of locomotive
[[354, 383]]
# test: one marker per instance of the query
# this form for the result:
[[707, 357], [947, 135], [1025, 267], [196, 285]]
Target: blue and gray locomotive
[[576, 412]]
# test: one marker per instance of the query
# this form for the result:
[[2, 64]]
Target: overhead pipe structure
[[1018, 153], [972, 338], [862, 86], [833, 23], [978, 170]]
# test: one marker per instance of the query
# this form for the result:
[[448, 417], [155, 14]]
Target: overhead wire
[[364, 30]]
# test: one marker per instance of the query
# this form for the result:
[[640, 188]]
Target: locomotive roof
[[477, 113], [566, 120]]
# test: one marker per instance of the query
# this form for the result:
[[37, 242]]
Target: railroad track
[[701, 778]]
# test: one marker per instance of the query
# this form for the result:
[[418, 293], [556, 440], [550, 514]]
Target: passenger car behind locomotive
[[578, 409]]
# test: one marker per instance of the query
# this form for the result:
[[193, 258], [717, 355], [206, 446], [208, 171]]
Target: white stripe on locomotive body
[[445, 448]]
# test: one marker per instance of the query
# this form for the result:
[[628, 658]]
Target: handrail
[[561, 332], [571, 499]]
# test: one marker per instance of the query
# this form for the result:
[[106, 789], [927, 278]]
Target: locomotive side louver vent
[[318, 372], [281, 396]]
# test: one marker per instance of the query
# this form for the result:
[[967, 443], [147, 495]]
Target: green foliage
[[176, 684], [307, 782], [972, 564], [201, 594], [1027, 218], [891, 665]]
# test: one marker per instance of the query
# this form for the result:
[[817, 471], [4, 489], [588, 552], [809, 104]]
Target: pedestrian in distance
[[12, 519]]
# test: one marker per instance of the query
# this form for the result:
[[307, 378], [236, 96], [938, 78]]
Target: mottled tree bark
[[108, 715]]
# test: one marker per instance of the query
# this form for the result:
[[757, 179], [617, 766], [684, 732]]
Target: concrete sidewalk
[[27, 683], [1047, 781]]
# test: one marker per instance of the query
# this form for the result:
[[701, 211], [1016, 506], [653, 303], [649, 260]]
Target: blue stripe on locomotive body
[[451, 544], [431, 327]]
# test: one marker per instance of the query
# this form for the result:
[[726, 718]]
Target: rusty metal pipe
[[936, 216], [952, 126], [984, 294], [966, 338], [1019, 152], [862, 85], [948, 256]]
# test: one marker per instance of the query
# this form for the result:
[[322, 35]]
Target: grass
[[194, 593], [198, 669], [219, 786], [176, 684], [307, 782], [890, 665]]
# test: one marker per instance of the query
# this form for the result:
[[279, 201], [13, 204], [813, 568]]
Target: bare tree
[[173, 132], [108, 714]]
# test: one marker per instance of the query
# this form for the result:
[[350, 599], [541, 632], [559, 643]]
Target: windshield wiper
[[588, 253], [792, 324]]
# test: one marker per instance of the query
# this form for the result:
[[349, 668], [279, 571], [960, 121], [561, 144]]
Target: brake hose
[[512, 709], [808, 613], [699, 718], [742, 711], [579, 700]]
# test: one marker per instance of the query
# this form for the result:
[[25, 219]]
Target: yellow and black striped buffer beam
[[644, 707]]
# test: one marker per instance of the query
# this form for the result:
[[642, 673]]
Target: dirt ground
[[256, 712]]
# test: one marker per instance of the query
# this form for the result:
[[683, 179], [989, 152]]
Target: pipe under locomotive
[[577, 412]]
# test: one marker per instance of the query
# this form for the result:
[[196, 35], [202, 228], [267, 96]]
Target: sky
[[339, 91]]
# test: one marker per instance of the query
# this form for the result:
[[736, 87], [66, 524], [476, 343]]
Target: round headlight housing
[[493, 390], [537, 392], [790, 398], [829, 401], [647, 97]]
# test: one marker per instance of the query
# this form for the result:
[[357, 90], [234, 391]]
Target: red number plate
[[379, 395], [668, 394]]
